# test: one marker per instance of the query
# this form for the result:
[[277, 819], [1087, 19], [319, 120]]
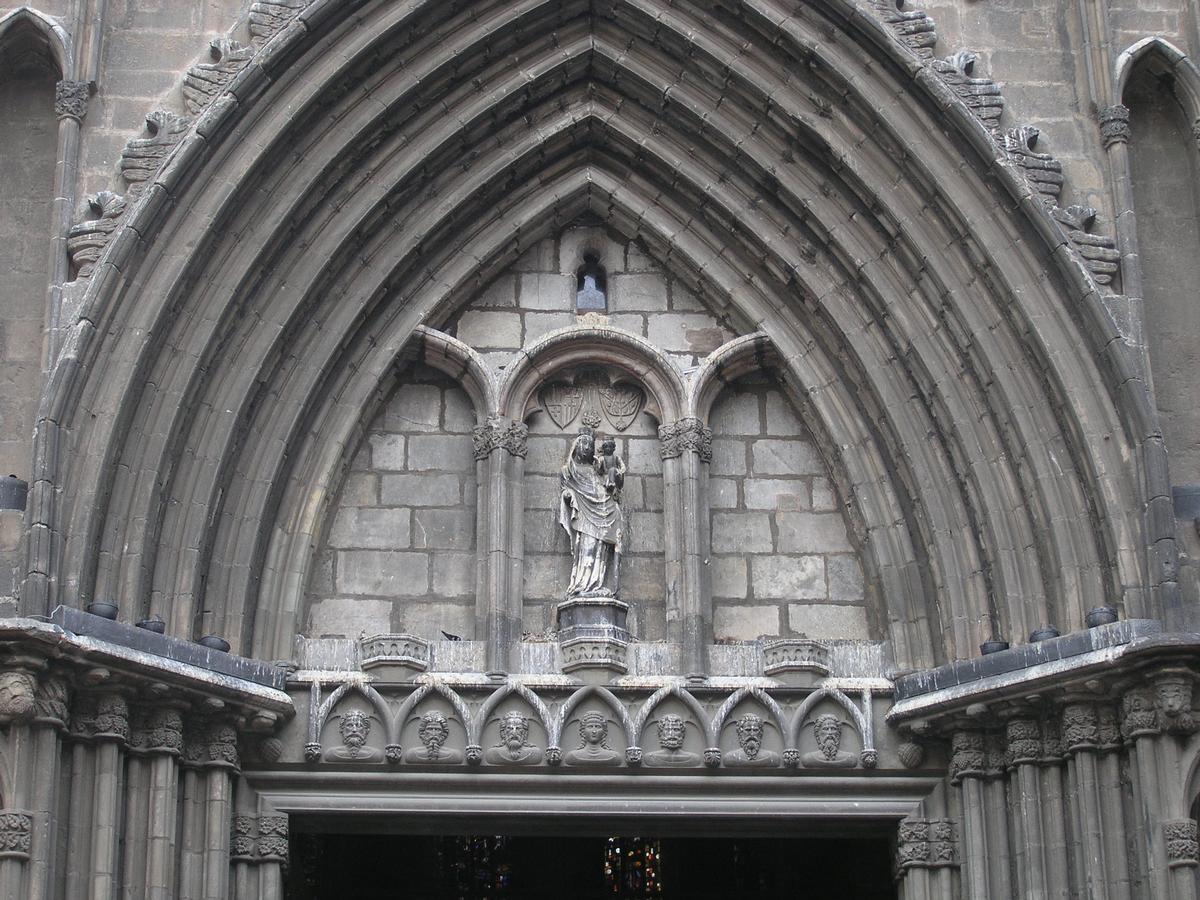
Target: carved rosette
[[1114, 124], [273, 838], [1024, 741], [1139, 716], [393, 753], [242, 843], [15, 834], [688, 435], [1080, 727], [71, 99], [18, 696], [968, 755], [500, 434], [1183, 848], [712, 757]]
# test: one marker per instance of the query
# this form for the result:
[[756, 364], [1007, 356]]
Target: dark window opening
[[591, 286]]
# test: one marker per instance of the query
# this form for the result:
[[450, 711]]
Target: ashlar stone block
[[729, 577], [646, 292], [788, 577], [387, 451], [384, 573], [349, 617], [447, 453], [420, 490], [454, 574], [826, 621], [414, 407], [546, 291], [845, 578], [367, 528], [803, 532], [782, 457], [428, 620], [776, 493], [443, 529], [744, 623], [490, 330], [741, 532]]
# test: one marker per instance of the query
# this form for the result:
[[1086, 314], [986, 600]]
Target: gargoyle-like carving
[[672, 730], [688, 434], [1099, 251], [142, 156], [87, 239], [1042, 170], [1173, 694], [914, 28], [593, 747], [433, 732], [750, 752], [514, 748], [205, 80], [71, 99], [267, 17], [982, 95], [355, 728], [827, 729]]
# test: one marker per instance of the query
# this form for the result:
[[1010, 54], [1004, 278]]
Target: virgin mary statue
[[590, 513]]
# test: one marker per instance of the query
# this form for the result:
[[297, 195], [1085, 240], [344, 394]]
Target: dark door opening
[[530, 867]]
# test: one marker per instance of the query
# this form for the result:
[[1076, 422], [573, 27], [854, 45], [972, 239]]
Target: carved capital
[[18, 696], [1114, 124], [52, 704], [101, 717], [689, 434], [71, 99], [273, 838], [500, 434], [242, 842], [1139, 715], [1173, 697], [1024, 738], [211, 742], [968, 755], [1080, 727], [1183, 849], [926, 844], [160, 730], [15, 831]]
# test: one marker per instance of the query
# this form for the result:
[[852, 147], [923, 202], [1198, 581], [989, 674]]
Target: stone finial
[[204, 81], [1114, 124], [142, 156], [689, 434], [71, 99], [86, 240]]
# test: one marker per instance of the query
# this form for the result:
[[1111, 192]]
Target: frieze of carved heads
[[142, 156], [52, 704], [86, 240], [968, 755], [688, 435], [982, 95], [1024, 738], [1139, 714], [1183, 849], [1173, 696], [827, 731], [1114, 124], [267, 17], [15, 834], [1042, 170], [751, 732], [1099, 251], [204, 81], [433, 732], [354, 725], [18, 695], [71, 99], [593, 747], [672, 731], [273, 838], [913, 28], [1080, 727], [513, 748], [592, 396], [500, 434]]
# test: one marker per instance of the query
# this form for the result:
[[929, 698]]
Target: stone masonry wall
[[782, 560], [399, 552]]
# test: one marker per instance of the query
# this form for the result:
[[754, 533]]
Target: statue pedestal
[[592, 634]]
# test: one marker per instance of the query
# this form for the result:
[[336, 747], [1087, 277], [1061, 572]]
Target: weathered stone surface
[[350, 617], [642, 292], [443, 529], [454, 574], [825, 621], [774, 493], [447, 453], [387, 451], [490, 330], [773, 457], [546, 291], [812, 533], [382, 573], [744, 623], [729, 577], [384, 529], [788, 578], [420, 490], [739, 532], [845, 578], [415, 407]]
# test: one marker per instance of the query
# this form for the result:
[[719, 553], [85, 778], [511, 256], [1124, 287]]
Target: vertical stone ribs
[[984, 98]]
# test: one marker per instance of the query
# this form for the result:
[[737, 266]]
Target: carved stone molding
[[500, 434], [142, 156], [86, 240], [689, 434], [1114, 124], [1042, 170], [15, 831], [71, 99], [386, 652], [1183, 849], [273, 838], [968, 757], [18, 696]]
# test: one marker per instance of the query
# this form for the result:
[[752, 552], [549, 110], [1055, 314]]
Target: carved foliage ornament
[[71, 99], [500, 434], [926, 843], [968, 755], [204, 81], [242, 843], [15, 830], [1183, 849], [267, 17], [273, 838], [689, 434], [53, 701], [1114, 124], [1080, 727], [1024, 740]]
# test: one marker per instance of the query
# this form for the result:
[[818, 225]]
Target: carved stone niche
[[797, 660], [394, 657]]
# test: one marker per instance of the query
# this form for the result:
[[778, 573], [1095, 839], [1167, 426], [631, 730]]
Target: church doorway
[[555, 867]]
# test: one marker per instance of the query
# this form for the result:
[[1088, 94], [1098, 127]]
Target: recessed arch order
[[378, 163]]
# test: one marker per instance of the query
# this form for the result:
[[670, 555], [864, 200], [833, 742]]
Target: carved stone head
[[671, 732], [355, 727], [585, 446], [433, 731], [514, 730], [827, 729], [750, 734], [593, 728]]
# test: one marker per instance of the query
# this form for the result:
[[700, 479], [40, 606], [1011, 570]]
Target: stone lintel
[[139, 654]]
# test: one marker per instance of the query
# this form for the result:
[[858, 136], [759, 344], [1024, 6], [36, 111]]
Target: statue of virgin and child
[[590, 512]]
